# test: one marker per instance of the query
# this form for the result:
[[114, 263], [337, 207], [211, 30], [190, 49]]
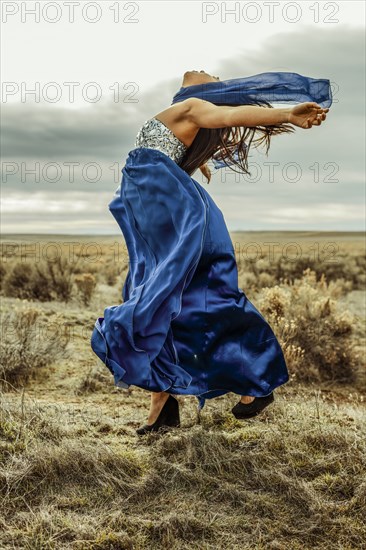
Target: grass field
[[73, 473]]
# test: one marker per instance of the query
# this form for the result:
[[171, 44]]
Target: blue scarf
[[263, 88]]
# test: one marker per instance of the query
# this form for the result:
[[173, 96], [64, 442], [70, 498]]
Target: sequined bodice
[[156, 135]]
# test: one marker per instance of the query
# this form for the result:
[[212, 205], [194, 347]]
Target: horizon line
[[363, 231]]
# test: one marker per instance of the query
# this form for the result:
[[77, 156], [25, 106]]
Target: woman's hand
[[308, 114]]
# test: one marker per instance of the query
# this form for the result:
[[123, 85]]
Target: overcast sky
[[311, 180]]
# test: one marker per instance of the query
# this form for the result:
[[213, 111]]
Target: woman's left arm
[[205, 114]]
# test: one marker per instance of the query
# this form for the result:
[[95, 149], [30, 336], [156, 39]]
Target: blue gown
[[184, 326]]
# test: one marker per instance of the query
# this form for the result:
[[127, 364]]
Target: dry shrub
[[3, 272], [111, 273], [317, 339], [86, 284], [83, 266], [18, 282], [348, 269], [28, 345], [114, 271], [51, 279], [95, 380]]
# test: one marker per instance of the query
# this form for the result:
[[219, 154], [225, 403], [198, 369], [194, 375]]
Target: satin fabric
[[273, 87], [184, 325], [263, 88]]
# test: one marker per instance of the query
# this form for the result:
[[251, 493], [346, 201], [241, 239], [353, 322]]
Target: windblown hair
[[222, 142]]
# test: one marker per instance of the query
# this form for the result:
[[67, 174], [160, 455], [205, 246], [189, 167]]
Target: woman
[[184, 327]]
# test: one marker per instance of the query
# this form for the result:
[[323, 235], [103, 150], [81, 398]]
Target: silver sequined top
[[155, 135]]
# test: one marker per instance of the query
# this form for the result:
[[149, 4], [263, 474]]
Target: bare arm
[[205, 114]]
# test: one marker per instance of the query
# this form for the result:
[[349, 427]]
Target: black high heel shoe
[[248, 410], [168, 418]]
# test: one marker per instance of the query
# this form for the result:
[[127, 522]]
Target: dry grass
[[74, 475], [293, 478]]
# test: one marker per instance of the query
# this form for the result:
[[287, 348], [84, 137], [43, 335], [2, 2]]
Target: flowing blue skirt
[[184, 326]]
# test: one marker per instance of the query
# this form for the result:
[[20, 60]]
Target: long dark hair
[[222, 142]]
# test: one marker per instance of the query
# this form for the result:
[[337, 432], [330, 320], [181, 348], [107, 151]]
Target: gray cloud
[[104, 133]]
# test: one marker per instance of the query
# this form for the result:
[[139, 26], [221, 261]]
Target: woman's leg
[[158, 400], [247, 398]]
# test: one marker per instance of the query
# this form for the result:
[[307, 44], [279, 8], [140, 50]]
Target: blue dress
[[184, 326]]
